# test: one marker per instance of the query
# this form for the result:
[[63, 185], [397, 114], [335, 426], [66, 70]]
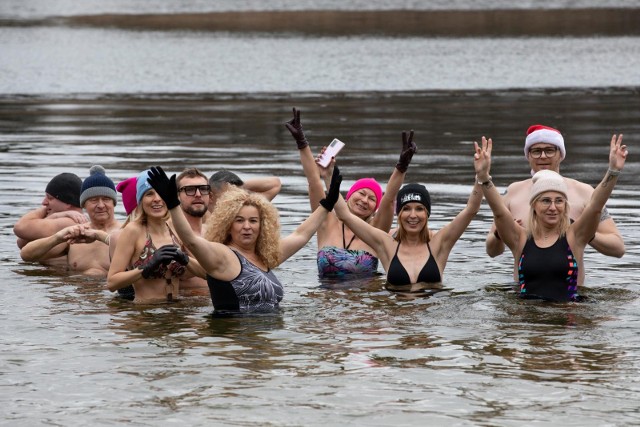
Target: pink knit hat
[[538, 134], [369, 183], [128, 190]]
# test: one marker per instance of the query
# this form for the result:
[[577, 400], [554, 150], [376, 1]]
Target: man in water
[[60, 208], [85, 246], [544, 149], [269, 187], [194, 193]]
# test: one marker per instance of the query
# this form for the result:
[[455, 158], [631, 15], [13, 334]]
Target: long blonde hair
[[533, 226], [401, 235], [218, 225]]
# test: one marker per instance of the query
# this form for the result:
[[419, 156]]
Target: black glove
[[409, 148], [181, 257], [164, 186], [295, 127], [334, 191], [162, 256]]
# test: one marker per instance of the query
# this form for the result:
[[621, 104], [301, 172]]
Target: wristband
[[613, 172]]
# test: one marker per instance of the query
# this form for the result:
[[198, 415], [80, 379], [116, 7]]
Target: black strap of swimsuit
[[344, 243]]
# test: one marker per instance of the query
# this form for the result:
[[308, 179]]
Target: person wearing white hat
[[545, 149], [549, 251]]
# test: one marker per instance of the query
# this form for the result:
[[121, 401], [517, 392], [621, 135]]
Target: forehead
[[196, 180], [542, 145], [551, 194], [366, 191], [248, 211]]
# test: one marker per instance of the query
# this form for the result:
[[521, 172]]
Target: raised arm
[[510, 232], [450, 233], [384, 217], [316, 188], [214, 258], [301, 235], [268, 186], [585, 226]]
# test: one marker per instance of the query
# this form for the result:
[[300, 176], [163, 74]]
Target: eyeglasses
[[546, 201], [190, 190], [536, 153]]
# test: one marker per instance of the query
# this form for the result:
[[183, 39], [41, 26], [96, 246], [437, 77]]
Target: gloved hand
[[295, 127], [409, 148], [181, 257], [162, 256], [334, 190], [164, 186]]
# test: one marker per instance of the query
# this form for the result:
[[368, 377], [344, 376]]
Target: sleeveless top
[[548, 273], [398, 276], [174, 268], [252, 291], [337, 262]]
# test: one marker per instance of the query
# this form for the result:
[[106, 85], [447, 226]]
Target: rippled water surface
[[337, 353]]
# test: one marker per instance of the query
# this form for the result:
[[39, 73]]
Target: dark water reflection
[[472, 354]]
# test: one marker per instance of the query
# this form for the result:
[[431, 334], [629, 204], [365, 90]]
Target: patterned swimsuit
[[252, 291], [337, 262], [548, 273]]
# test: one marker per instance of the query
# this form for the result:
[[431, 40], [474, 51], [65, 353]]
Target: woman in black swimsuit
[[415, 254]]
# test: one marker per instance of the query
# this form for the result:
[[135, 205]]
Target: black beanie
[[66, 188], [413, 193]]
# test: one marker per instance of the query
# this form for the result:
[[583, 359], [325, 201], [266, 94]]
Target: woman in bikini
[[415, 254], [242, 244], [148, 253], [549, 251], [341, 252]]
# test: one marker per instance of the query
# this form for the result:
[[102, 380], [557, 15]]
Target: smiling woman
[[549, 251]]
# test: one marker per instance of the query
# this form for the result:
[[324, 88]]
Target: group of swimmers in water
[[191, 235]]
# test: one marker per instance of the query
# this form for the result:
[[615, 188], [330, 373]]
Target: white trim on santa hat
[[546, 135]]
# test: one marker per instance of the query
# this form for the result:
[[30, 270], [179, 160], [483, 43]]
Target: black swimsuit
[[398, 276]]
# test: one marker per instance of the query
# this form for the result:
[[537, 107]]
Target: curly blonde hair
[[227, 207], [532, 222]]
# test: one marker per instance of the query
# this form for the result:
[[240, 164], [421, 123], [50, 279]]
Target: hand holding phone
[[331, 151]]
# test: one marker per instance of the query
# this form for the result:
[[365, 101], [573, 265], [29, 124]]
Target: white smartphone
[[331, 151]]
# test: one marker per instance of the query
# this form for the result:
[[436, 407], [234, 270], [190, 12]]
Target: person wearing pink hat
[[549, 250], [340, 252], [544, 148]]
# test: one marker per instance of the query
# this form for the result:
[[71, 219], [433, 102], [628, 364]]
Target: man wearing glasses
[[544, 149], [194, 192]]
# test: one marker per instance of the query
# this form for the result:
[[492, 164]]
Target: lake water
[[338, 353]]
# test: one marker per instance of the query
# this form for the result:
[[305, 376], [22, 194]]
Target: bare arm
[[384, 217], [450, 234], [118, 277], [36, 225], [269, 187], [608, 240], [510, 232], [49, 247], [585, 226], [311, 172]]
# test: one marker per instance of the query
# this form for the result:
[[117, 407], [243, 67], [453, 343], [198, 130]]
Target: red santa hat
[[537, 134]]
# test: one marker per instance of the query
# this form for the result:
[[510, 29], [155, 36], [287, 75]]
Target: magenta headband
[[369, 183]]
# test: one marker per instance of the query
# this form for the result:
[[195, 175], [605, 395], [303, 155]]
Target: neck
[[104, 225]]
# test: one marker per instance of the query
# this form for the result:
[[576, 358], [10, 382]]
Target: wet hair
[[229, 204], [401, 234], [190, 173], [532, 222], [225, 177]]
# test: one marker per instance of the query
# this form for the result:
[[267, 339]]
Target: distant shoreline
[[454, 23], [437, 23]]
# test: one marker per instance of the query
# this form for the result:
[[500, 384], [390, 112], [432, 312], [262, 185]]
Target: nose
[[45, 201]]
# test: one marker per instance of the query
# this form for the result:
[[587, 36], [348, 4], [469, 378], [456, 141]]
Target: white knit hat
[[547, 180], [537, 134]]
